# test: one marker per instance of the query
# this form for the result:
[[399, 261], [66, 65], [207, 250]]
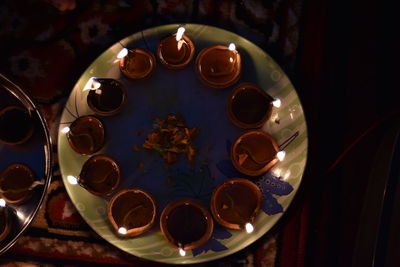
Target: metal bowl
[[34, 152]]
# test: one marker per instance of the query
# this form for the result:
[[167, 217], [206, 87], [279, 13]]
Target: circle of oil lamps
[[219, 66], [176, 51], [186, 224], [100, 175], [249, 106], [236, 203], [255, 152], [16, 125], [136, 63], [132, 212], [106, 97], [86, 135]]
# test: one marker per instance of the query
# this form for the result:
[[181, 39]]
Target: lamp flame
[[232, 47], [122, 53], [92, 84], [182, 252], [65, 130], [281, 155], [179, 33], [72, 179], [249, 228], [2, 203], [122, 230], [277, 103]]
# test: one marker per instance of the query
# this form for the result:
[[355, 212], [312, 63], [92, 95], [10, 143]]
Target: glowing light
[[231, 60], [232, 47], [277, 103], [2, 203], [122, 53], [65, 130], [72, 179], [20, 215], [122, 231], [281, 155], [182, 252], [249, 228], [179, 33], [92, 84]]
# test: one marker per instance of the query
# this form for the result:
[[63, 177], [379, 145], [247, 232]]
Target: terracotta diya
[[176, 51], [249, 106], [108, 98], [137, 64], [86, 135], [16, 125], [219, 66], [132, 212], [236, 203], [186, 224], [254, 152], [100, 175], [15, 183], [4, 223]]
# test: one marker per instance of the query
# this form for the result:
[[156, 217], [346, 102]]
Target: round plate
[[35, 152], [180, 91]]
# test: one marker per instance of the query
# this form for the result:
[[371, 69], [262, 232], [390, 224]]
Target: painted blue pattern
[[213, 244]]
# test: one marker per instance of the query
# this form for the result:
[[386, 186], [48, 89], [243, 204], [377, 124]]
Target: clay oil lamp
[[136, 63], [176, 51], [132, 212], [186, 224], [4, 220], [219, 66], [100, 175], [16, 182], [249, 106], [255, 152], [106, 97], [86, 135], [236, 203], [16, 125]]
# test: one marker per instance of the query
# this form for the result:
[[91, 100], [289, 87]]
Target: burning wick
[[122, 53], [179, 33], [277, 103], [232, 47], [65, 130], [182, 252], [2, 203], [72, 179], [249, 228], [122, 230], [92, 84], [281, 155]]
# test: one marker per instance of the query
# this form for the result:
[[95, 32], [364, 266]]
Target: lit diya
[[16, 125], [137, 63], [219, 66], [186, 224], [4, 223], [132, 212], [86, 135], [176, 51], [16, 182], [254, 152], [249, 106], [107, 97], [236, 203], [100, 175]]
